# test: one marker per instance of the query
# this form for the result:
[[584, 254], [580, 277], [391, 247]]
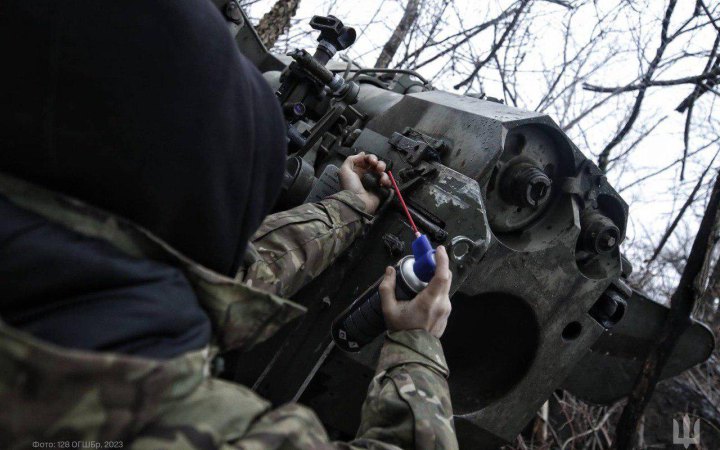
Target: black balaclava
[[146, 109]]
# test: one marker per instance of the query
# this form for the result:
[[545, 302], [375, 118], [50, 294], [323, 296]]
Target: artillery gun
[[532, 226]]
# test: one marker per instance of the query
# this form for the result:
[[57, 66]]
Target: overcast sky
[[652, 203]]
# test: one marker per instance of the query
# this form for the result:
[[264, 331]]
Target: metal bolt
[[607, 240], [537, 190], [524, 184], [600, 234], [232, 12], [298, 109]]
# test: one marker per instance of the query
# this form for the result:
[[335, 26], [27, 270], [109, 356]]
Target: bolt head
[[232, 12]]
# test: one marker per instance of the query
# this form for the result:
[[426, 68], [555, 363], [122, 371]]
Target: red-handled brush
[[402, 203], [424, 265]]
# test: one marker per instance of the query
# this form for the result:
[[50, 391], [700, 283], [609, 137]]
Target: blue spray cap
[[424, 266]]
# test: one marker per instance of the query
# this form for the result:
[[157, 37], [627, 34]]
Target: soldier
[[293, 247], [141, 152]]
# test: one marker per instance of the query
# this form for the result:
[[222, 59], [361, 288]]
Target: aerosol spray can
[[363, 320]]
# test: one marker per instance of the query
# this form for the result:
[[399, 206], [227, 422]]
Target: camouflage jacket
[[293, 247], [54, 397]]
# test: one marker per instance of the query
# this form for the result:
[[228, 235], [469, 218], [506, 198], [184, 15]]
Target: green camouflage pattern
[[79, 399], [410, 386], [293, 247], [52, 395], [241, 316], [60, 398]]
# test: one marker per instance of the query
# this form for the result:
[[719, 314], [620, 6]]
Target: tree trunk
[[682, 303], [276, 21], [401, 31]]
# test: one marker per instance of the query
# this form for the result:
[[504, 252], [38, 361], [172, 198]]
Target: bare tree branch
[[668, 166], [495, 47], [710, 75], [637, 141], [712, 290], [707, 12], [678, 217], [276, 22], [686, 141], [678, 320], [467, 36], [560, 3], [401, 31], [701, 88], [664, 40]]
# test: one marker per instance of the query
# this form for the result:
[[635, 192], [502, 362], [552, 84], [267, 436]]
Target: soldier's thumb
[[387, 291]]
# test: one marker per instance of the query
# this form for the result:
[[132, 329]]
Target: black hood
[[145, 109]]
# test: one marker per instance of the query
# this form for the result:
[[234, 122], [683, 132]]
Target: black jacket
[[144, 108]]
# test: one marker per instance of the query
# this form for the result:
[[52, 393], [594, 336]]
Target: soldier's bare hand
[[352, 171], [429, 310]]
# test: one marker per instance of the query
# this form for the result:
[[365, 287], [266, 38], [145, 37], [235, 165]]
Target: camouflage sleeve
[[292, 247], [407, 406], [408, 402]]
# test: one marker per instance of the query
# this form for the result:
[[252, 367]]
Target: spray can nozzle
[[424, 266]]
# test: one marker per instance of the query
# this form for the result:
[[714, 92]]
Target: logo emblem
[[687, 438]]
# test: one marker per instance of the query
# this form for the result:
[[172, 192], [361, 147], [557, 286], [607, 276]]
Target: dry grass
[[570, 424]]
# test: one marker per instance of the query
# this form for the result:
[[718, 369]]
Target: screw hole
[[571, 331]]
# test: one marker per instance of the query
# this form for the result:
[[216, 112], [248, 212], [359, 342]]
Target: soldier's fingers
[[440, 283], [380, 167], [387, 292], [367, 163], [352, 160], [364, 162]]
